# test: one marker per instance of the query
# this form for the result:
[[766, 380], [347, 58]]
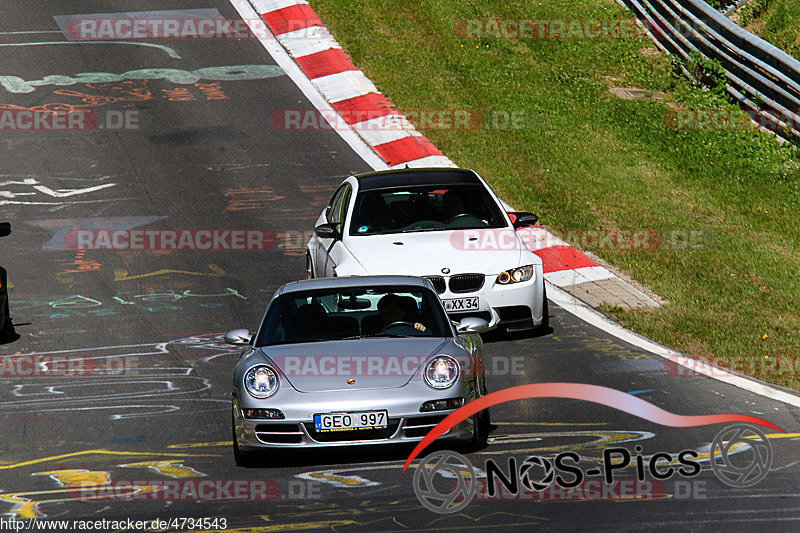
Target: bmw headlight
[[261, 381], [515, 275], [441, 372]]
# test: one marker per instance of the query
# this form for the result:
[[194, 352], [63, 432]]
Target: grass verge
[[777, 21], [584, 158]]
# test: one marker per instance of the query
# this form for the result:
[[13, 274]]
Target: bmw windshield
[[425, 208]]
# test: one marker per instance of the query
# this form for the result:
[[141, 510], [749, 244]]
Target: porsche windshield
[[425, 208], [353, 313]]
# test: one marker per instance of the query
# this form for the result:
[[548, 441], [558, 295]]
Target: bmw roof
[[385, 179]]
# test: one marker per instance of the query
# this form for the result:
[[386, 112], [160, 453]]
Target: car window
[[338, 205], [335, 314], [425, 208]]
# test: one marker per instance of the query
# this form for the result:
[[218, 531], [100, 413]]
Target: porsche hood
[[367, 363]]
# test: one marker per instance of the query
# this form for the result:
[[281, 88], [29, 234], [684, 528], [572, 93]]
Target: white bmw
[[444, 224]]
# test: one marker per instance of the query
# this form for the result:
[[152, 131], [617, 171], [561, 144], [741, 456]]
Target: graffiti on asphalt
[[17, 85], [214, 272], [20, 191], [78, 305], [124, 93]]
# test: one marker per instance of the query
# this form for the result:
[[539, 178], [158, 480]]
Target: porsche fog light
[[441, 405]]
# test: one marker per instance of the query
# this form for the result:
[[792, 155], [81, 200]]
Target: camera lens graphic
[[451, 466], [526, 474], [730, 450]]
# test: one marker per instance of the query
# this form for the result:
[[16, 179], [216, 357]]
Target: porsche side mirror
[[523, 219], [238, 337], [5, 229], [328, 231], [471, 324]]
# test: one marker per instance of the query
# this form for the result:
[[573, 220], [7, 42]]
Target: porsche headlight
[[441, 372], [515, 275], [261, 381]]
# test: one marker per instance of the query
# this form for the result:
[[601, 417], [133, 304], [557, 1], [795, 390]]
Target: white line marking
[[308, 41], [167, 49], [29, 32], [381, 130], [66, 193], [428, 161], [344, 85], [576, 276], [265, 6]]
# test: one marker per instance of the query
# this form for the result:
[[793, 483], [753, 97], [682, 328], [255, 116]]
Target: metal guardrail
[[762, 77], [732, 8]]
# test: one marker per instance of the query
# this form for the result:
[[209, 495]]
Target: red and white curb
[[564, 265], [351, 94], [345, 87]]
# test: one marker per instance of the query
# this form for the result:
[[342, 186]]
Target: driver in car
[[456, 211], [454, 204], [394, 316]]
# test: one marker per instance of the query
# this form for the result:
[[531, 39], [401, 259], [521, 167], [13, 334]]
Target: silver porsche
[[355, 361]]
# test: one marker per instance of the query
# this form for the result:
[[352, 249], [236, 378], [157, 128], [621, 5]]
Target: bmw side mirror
[[328, 231], [5, 229], [523, 219], [238, 337], [471, 324]]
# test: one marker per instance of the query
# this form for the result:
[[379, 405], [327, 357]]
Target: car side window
[[338, 206], [334, 200]]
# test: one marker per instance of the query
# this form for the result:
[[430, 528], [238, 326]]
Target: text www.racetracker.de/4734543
[[39, 524]]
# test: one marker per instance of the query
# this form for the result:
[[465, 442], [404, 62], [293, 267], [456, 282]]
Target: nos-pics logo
[[445, 481]]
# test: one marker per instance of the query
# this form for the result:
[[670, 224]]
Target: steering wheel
[[461, 215], [423, 224], [397, 323]]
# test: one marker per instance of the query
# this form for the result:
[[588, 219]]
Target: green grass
[[777, 21], [586, 159]]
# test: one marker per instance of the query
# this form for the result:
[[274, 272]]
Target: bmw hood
[[428, 253], [368, 363]]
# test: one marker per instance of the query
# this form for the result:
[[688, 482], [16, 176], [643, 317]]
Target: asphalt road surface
[[148, 395]]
